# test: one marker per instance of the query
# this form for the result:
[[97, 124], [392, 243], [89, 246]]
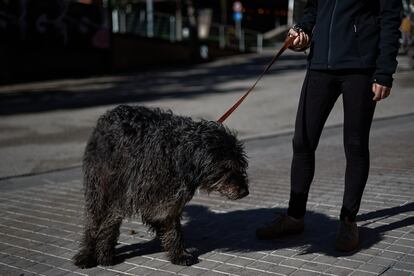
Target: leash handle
[[288, 42]]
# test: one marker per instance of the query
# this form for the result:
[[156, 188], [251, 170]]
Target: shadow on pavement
[[135, 88], [235, 232]]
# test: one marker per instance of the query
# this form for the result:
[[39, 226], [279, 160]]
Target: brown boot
[[282, 226], [347, 236]]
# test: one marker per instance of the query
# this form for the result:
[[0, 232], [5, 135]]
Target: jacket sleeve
[[386, 63], [307, 22]]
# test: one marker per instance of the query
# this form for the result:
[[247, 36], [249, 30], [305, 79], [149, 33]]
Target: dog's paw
[[106, 260], [84, 259], [186, 259]]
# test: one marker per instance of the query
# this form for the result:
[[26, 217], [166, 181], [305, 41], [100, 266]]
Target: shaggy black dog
[[149, 162]]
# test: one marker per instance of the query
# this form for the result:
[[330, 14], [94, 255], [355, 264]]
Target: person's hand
[[301, 40], [380, 91]]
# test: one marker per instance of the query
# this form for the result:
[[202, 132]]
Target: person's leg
[[319, 94], [358, 113]]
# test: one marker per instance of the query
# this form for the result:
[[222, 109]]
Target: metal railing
[[164, 26], [226, 36]]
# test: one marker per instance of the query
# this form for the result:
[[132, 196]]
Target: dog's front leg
[[172, 240]]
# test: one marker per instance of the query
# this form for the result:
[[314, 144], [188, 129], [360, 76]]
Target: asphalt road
[[44, 126]]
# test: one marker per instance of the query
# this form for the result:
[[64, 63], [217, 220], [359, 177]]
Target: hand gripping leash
[[288, 42]]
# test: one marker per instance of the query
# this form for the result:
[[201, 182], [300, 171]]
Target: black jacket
[[354, 34]]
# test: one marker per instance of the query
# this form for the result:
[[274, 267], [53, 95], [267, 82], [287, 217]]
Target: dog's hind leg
[[95, 212], [85, 258], [171, 237], [107, 238]]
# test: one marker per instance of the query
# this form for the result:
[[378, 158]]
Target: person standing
[[353, 48]]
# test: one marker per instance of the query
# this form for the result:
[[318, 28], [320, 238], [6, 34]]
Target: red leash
[[288, 42]]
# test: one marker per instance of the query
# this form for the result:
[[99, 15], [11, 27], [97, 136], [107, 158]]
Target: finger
[[377, 92], [292, 32], [303, 35], [385, 93], [306, 39], [299, 38], [388, 92], [381, 92], [296, 41]]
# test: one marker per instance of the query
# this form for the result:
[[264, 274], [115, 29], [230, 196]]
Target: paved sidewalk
[[41, 218]]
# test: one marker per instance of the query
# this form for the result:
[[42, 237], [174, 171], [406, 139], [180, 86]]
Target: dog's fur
[[149, 162]]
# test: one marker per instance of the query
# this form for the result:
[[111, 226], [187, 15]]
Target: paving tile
[[348, 264], [10, 271], [404, 266], [161, 273], [395, 272], [293, 263], [192, 271], [207, 264], [231, 269], [304, 273], [141, 271], [315, 266], [376, 269], [56, 272], [362, 273], [339, 271]]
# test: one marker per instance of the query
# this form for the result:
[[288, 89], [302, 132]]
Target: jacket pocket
[[367, 34]]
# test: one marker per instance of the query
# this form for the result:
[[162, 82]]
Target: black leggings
[[319, 94]]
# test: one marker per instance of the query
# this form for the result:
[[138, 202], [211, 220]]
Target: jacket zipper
[[330, 35]]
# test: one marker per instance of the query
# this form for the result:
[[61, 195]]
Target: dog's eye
[[233, 178]]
